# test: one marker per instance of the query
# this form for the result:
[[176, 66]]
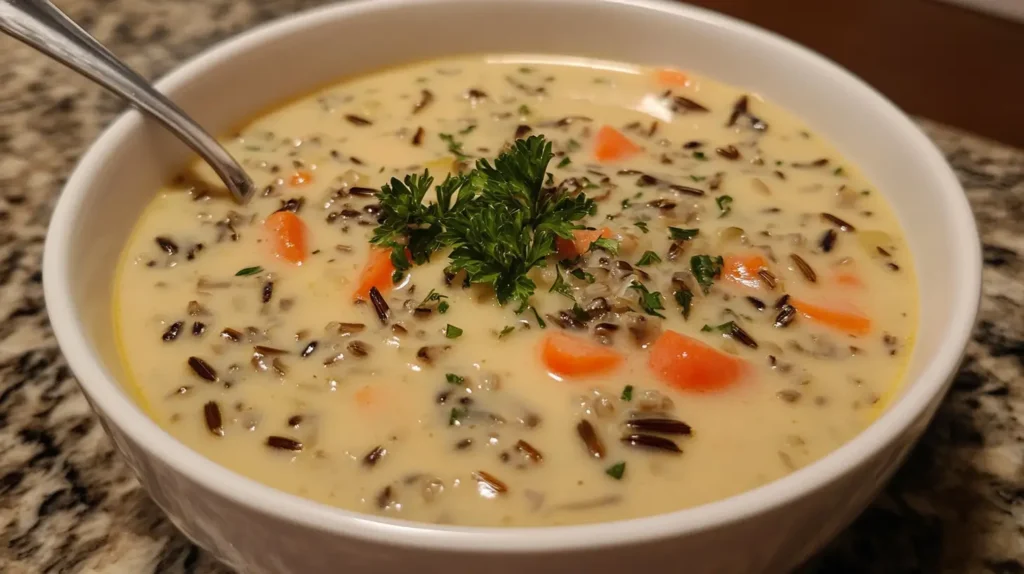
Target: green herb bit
[[454, 379], [549, 179], [700, 155], [627, 393], [468, 129], [452, 332], [442, 307], [540, 322], [839, 171], [649, 301], [626, 203], [685, 299], [579, 313], [454, 146], [648, 258], [432, 297], [706, 269], [609, 245], [698, 178], [561, 286], [565, 162], [642, 225], [724, 205], [524, 110], [572, 145], [456, 415], [616, 470], [678, 234], [723, 328], [248, 271], [506, 331], [397, 275], [582, 275]]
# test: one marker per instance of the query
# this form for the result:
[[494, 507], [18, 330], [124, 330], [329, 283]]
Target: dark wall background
[[940, 61]]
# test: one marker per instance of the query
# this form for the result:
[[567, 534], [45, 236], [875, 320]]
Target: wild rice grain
[[167, 244], [785, 316], [268, 291], [804, 268], [639, 440], [660, 425], [284, 443], [211, 412], [380, 305], [309, 349], [529, 450], [828, 240], [173, 331], [202, 369], [590, 438], [357, 120], [842, 225], [198, 328], [490, 481], [374, 456]]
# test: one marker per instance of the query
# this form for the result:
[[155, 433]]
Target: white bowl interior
[[119, 176]]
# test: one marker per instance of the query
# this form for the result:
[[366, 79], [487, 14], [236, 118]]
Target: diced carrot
[[848, 279], [611, 145], [288, 236], [852, 322], [669, 78], [742, 270], [689, 365], [570, 356], [376, 273], [580, 242], [365, 397], [300, 178]]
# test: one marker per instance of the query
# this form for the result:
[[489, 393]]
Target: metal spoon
[[41, 25]]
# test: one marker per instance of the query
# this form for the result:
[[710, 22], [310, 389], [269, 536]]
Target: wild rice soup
[[641, 290]]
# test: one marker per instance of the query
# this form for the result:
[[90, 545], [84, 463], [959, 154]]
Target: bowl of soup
[[548, 285]]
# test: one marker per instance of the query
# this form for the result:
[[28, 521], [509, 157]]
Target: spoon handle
[[44, 27]]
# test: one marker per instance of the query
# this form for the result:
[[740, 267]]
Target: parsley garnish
[[524, 110], [626, 203], [684, 297], [678, 234], [540, 321], [649, 301], [452, 332], [499, 220], [609, 245], [455, 415], [506, 331], [466, 130], [705, 269], [642, 225], [560, 285], [248, 271], [565, 161], [454, 379], [442, 307], [627, 393], [700, 155], [648, 258], [616, 470], [397, 275], [572, 145], [724, 205], [839, 171], [582, 275], [698, 177], [454, 146], [723, 328]]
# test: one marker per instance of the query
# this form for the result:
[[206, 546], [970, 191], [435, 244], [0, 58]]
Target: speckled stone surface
[[68, 503]]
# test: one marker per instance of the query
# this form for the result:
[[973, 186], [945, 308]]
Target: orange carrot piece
[[288, 236], [848, 279], [571, 356], [611, 145], [852, 322], [670, 78], [365, 397], [689, 365], [300, 178], [742, 270], [580, 243], [377, 273]]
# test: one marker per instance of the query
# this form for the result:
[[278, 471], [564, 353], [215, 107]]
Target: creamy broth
[[458, 410]]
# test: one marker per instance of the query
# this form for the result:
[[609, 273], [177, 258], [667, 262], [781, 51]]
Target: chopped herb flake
[[248, 271], [700, 155], [540, 321], [724, 205], [679, 234], [616, 470], [723, 328], [454, 379], [642, 225], [565, 162], [442, 307], [468, 129], [685, 298], [506, 331], [452, 332], [649, 301], [454, 146], [705, 269], [455, 415], [560, 286], [648, 258], [627, 393], [524, 110], [572, 145], [609, 245], [582, 275]]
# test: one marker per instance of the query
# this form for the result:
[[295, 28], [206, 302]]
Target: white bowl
[[258, 529]]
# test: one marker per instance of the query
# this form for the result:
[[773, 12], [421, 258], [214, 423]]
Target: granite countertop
[[69, 504]]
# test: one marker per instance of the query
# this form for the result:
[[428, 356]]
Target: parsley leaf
[[248, 271], [565, 162], [685, 298], [581, 315], [705, 269], [561, 286], [468, 129], [506, 331], [540, 321], [649, 301], [679, 234], [723, 328], [523, 110], [455, 415], [648, 258], [582, 275], [609, 245], [627, 393], [642, 225], [442, 307], [454, 379], [572, 145], [724, 205], [452, 332], [454, 146], [616, 470]]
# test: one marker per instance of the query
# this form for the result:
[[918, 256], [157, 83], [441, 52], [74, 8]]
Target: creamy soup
[[639, 290]]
